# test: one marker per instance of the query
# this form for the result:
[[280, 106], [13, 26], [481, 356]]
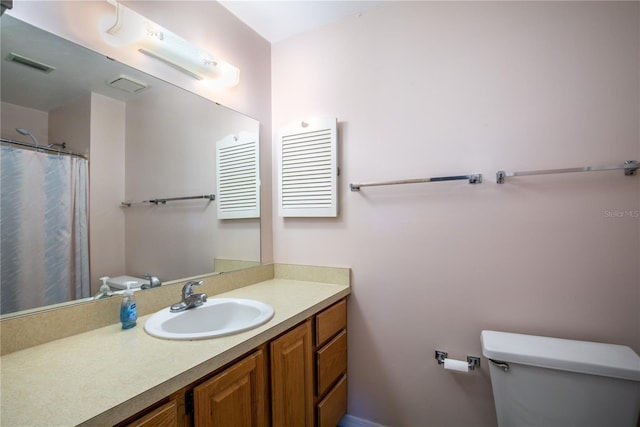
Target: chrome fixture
[[630, 168], [43, 148], [475, 178], [210, 197], [25, 132], [154, 282], [189, 299], [4, 5], [500, 364], [134, 31], [472, 361]]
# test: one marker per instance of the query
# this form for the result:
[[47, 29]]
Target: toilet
[[119, 283], [553, 382]]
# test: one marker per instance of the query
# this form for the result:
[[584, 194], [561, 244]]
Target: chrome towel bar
[[156, 202], [630, 168], [472, 178]]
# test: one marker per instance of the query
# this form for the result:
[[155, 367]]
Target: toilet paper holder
[[473, 361]]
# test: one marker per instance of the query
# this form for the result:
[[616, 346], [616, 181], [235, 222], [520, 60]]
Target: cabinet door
[[235, 397], [164, 416], [292, 378]]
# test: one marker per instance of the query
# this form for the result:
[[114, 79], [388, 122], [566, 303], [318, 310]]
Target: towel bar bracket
[[631, 167]]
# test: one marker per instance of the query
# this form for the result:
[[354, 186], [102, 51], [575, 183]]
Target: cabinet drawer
[[331, 362], [330, 321], [333, 407]]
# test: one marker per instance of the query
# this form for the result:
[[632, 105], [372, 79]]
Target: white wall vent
[[238, 176], [308, 169]]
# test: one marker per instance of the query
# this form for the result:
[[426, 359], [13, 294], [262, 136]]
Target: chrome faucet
[[154, 282], [189, 299]]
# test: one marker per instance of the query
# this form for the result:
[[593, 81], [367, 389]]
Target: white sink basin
[[215, 318]]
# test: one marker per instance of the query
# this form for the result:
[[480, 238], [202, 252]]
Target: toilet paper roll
[[456, 365]]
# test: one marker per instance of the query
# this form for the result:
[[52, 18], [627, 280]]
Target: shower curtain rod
[[43, 148]]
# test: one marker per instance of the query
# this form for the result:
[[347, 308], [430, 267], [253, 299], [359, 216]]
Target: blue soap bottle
[[128, 309]]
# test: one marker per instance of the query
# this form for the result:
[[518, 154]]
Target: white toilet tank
[[552, 382], [120, 283]]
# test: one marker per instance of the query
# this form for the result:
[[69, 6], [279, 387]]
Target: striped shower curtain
[[43, 222]]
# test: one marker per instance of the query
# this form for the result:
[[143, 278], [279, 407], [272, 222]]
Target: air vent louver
[[238, 176], [308, 169]]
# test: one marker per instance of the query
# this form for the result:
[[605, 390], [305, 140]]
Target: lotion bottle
[[128, 309], [105, 290]]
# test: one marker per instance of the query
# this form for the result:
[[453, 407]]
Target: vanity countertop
[[106, 375]]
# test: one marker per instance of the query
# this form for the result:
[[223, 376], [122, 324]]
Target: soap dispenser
[[128, 309], [105, 290]]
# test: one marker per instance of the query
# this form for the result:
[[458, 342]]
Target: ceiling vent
[[126, 84], [32, 63]]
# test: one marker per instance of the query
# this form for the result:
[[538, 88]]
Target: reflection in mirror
[[67, 220]]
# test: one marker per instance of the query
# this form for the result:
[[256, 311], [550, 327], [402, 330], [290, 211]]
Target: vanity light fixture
[[151, 39]]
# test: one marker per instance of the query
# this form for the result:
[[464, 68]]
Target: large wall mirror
[[138, 139]]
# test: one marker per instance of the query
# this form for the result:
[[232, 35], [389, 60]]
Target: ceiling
[[277, 20], [78, 70]]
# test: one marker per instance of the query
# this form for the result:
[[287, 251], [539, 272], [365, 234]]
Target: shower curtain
[[43, 222]]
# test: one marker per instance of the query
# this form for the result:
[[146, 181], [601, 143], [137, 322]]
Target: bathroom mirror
[[144, 139]]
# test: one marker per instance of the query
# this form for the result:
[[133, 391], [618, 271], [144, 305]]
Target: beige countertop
[[108, 374]]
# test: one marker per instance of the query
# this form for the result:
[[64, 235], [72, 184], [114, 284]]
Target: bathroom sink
[[215, 318]]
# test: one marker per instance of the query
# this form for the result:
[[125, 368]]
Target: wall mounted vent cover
[[308, 169], [126, 84], [31, 63], [238, 176]]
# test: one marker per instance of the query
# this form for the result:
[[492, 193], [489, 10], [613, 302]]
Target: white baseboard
[[351, 421]]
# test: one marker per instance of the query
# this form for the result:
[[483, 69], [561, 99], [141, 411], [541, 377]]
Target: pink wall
[[71, 124], [106, 179], [15, 116], [426, 89]]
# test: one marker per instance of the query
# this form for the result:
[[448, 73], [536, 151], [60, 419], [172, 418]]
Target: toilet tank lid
[[120, 282], [609, 360]]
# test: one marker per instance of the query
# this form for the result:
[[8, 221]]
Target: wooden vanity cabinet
[[298, 379]]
